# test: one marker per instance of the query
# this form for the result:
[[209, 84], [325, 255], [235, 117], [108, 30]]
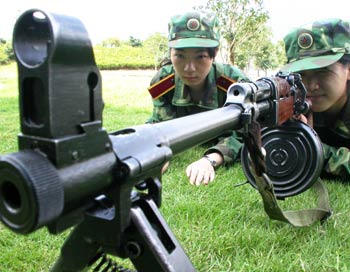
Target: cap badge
[[193, 24], [305, 40]]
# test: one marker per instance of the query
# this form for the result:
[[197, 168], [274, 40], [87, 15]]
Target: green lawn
[[221, 227]]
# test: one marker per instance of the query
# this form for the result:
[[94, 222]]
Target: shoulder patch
[[162, 87], [224, 82]]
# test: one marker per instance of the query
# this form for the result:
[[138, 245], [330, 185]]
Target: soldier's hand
[[200, 172], [308, 119], [165, 167]]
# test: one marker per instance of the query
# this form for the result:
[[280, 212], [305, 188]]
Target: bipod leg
[[151, 245], [76, 253]]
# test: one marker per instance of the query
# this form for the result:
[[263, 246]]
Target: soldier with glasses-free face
[[192, 82], [320, 52]]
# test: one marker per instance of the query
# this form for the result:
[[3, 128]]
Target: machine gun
[[70, 172]]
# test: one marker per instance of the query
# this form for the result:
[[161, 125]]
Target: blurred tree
[[242, 23], [157, 45], [6, 52], [111, 43], [134, 42], [280, 53]]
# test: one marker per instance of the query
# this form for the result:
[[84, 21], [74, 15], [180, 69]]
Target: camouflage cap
[[194, 29], [316, 45]]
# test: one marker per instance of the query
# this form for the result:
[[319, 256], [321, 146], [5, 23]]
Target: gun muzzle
[[31, 193]]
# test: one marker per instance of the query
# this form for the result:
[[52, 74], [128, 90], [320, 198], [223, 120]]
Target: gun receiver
[[70, 171]]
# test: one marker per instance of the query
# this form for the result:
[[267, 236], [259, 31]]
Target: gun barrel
[[134, 145], [186, 132], [183, 133]]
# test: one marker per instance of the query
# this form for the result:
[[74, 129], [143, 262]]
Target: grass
[[221, 227]]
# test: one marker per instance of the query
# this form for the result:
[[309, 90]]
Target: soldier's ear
[[348, 71]]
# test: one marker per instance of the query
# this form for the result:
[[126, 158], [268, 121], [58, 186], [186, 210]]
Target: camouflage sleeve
[[241, 76], [229, 148], [235, 73], [162, 111], [337, 161]]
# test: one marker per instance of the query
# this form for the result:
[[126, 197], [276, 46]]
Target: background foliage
[[246, 42], [6, 52]]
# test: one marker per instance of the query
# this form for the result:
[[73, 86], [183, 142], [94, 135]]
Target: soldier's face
[[192, 65], [327, 87]]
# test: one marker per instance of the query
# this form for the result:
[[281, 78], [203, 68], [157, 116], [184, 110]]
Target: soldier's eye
[[202, 56], [179, 56]]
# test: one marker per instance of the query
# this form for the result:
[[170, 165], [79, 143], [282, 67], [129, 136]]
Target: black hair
[[212, 52], [345, 60], [165, 61]]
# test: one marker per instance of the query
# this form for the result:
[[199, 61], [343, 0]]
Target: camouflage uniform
[[171, 98], [315, 46]]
